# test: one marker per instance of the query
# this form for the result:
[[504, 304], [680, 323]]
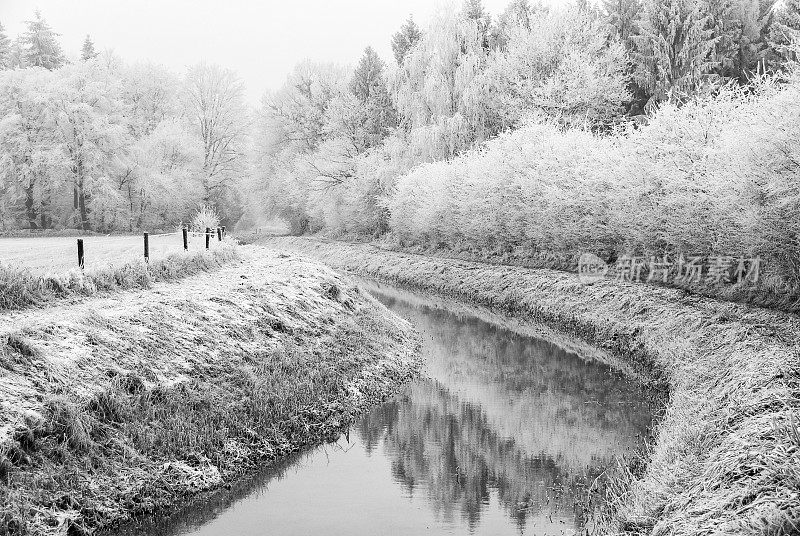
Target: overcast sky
[[261, 40]]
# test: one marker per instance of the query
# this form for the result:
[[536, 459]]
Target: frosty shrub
[[206, 217], [717, 176]]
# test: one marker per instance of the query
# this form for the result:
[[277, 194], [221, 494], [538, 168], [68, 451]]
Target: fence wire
[[43, 255]]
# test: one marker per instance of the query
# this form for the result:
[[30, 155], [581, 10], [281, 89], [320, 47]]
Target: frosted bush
[[206, 217], [716, 176]]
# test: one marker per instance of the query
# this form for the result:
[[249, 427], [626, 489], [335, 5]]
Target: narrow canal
[[506, 435]]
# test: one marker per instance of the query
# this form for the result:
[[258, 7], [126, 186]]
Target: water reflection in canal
[[503, 437]]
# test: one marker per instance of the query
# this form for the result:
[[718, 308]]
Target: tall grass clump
[[20, 288], [716, 176]]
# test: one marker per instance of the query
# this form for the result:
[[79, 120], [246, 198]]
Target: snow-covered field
[[59, 254]]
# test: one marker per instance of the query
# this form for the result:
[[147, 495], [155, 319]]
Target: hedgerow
[[717, 176]]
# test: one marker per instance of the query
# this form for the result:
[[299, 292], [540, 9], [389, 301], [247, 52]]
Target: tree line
[[98, 144], [332, 144]]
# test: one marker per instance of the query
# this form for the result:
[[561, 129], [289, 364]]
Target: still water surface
[[504, 436]]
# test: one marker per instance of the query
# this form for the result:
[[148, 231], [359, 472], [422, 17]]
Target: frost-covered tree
[[738, 29], [89, 115], [367, 74], [405, 39], [5, 49], [432, 90], [357, 119], [313, 133], [622, 15], [784, 33], [294, 116], [160, 182], [672, 49], [40, 44], [101, 145], [517, 13], [563, 67], [216, 107], [16, 54], [26, 142], [374, 107], [330, 156], [62, 135], [721, 20], [151, 94], [159, 174], [87, 50], [473, 10]]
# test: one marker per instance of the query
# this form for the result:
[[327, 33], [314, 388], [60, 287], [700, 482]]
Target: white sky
[[260, 40]]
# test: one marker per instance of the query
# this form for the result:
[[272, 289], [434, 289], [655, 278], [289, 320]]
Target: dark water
[[505, 437]]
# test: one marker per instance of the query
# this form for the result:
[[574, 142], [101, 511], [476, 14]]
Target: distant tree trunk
[[79, 196], [83, 209], [144, 204], [130, 211], [206, 184], [30, 207], [44, 208]]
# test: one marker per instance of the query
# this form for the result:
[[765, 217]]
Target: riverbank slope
[[727, 452], [136, 400]]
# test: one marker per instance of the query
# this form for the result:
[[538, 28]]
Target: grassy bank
[[727, 452], [134, 401], [766, 293], [21, 287]]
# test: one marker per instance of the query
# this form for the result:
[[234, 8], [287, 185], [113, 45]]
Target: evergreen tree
[[519, 13], [403, 40], [622, 16], [725, 28], [41, 47], [5, 49], [473, 11], [368, 73], [738, 28], [368, 85], [87, 51], [784, 33], [16, 54], [672, 49]]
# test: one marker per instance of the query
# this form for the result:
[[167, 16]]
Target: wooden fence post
[[208, 236], [219, 234], [80, 253], [146, 247], [185, 239]]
